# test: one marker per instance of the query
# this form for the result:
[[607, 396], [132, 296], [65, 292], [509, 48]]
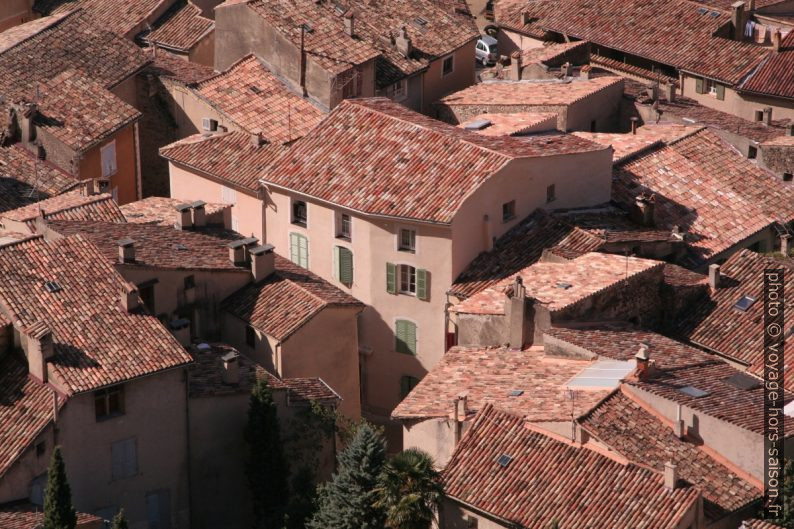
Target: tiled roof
[[780, 141], [229, 157], [182, 27], [29, 516], [155, 246], [119, 16], [759, 524], [301, 390], [13, 36], [647, 136], [630, 69], [716, 325], [258, 101], [550, 52], [80, 112], [680, 365], [378, 157], [775, 77], [488, 375], [707, 189], [161, 210], [24, 179], [26, 407], [286, 300], [170, 67], [509, 14], [96, 342], [74, 205], [584, 276], [514, 124], [546, 479], [627, 428], [529, 93]]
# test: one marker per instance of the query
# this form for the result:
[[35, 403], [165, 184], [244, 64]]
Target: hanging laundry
[[749, 29]]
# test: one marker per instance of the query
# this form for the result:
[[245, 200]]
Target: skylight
[[503, 460], [52, 287], [516, 392], [744, 303], [563, 285], [743, 381], [693, 391], [478, 124], [421, 21]]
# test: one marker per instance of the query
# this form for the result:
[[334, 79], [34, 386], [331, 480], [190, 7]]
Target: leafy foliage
[[58, 510], [119, 521], [410, 490]]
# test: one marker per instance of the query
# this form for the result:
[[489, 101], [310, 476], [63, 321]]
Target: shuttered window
[[699, 86], [124, 458], [108, 154], [343, 265], [299, 249], [405, 334], [422, 284], [407, 383], [720, 92], [228, 195], [391, 278]]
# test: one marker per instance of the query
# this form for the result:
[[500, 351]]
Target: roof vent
[[52, 287], [563, 285], [307, 27], [478, 124], [702, 10], [503, 460], [692, 391], [516, 392], [181, 247], [421, 21], [744, 303], [743, 381]]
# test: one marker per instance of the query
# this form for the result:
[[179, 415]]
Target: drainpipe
[[187, 447], [303, 61], [138, 162]]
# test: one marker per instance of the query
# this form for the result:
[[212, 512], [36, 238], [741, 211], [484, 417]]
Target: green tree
[[119, 521], [787, 492], [347, 501], [58, 510], [410, 490], [267, 470], [303, 494]]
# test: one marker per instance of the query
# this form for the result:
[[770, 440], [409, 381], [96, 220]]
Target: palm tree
[[410, 490]]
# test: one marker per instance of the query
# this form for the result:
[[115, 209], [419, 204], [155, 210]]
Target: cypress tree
[[267, 470], [58, 510], [347, 501], [119, 521], [303, 494]]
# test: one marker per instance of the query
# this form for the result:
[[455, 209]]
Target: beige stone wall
[[437, 437], [742, 105], [204, 51], [437, 85], [510, 41]]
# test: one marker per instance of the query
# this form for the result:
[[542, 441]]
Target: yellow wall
[[126, 177]]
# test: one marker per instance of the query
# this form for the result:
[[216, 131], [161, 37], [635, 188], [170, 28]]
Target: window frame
[[109, 146], [339, 231], [294, 219], [411, 271], [104, 396], [298, 236], [509, 207], [338, 250], [444, 72], [402, 248], [128, 473], [407, 384], [551, 193]]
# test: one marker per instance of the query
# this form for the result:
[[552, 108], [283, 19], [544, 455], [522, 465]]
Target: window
[[343, 265], [447, 66], [407, 383], [299, 212], [299, 249], [146, 292], [405, 334], [788, 177], [508, 210], [343, 225], [250, 336], [407, 280], [190, 282], [759, 115], [551, 194], [228, 195], [710, 87], [124, 457], [108, 155], [109, 402], [752, 152], [398, 91], [36, 496], [158, 509], [407, 241]]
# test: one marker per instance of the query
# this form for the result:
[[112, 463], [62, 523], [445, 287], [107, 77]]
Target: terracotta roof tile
[[775, 77], [182, 27], [630, 69], [647, 136], [550, 52], [25, 180], [229, 157], [378, 157], [547, 479], [488, 375], [627, 428], [529, 93], [162, 211], [301, 390], [258, 101], [759, 524], [120, 16], [96, 342], [167, 66], [26, 407], [285, 301], [514, 124], [74, 205], [13, 36], [29, 516]]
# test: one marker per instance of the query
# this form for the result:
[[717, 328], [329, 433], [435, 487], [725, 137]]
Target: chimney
[[567, 69], [517, 314], [737, 20], [231, 368], [678, 426], [777, 40], [768, 115], [751, 5], [349, 20], [643, 356], [26, 113], [403, 43], [126, 250], [257, 140], [714, 276], [461, 407], [263, 261], [634, 121], [669, 91], [129, 298], [785, 244], [237, 252], [515, 66], [645, 209], [670, 476], [88, 187], [40, 348], [525, 18], [584, 71], [184, 218], [199, 217]]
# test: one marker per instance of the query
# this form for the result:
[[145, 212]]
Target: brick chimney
[[231, 368], [184, 217], [26, 113], [126, 250], [515, 66], [237, 251], [129, 298], [584, 71], [40, 349], [714, 276], [517, 306], [349, 20], [257, 140], [768, 115], [670, 476], [403, 43], [199, 213], [777, 40], [263, 261], [737, 19], [644, 208]]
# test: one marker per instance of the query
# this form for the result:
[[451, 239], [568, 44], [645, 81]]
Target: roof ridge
[[60, 18], [235, 64]]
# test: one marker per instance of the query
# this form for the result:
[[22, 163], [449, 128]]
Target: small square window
[[250, 336], [448, 65], [299, 215], [752, 152], [551, 194], [407, 280], [759, 115], [788, 177], [343, 226], [407, 240], [190, 282], [508, 210], [109, 402]]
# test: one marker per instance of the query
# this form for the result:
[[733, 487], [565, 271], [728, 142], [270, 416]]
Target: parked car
[[486, 51]]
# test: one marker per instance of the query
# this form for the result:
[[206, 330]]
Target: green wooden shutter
[[391, 278], [345, 266], [406, 337], [720, 92], [699, 86], [422, 285], [294, 251]]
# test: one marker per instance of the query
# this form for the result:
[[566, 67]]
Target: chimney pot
[[768, 115], [678, 426], [257, 140], [567, 69], [40, 349], [461, 407], [517, 304], [231, 368], [584, 71], [643, 354], [237, 252], [129, 299], [737, 20], [714, 276], [184, 218], [777, 40], [403, 43], [349, 23], [645, 205], [126, 250], [515, 66], [263, 261], [634, 121], [199, 216], [669, 91], [670, 475]]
